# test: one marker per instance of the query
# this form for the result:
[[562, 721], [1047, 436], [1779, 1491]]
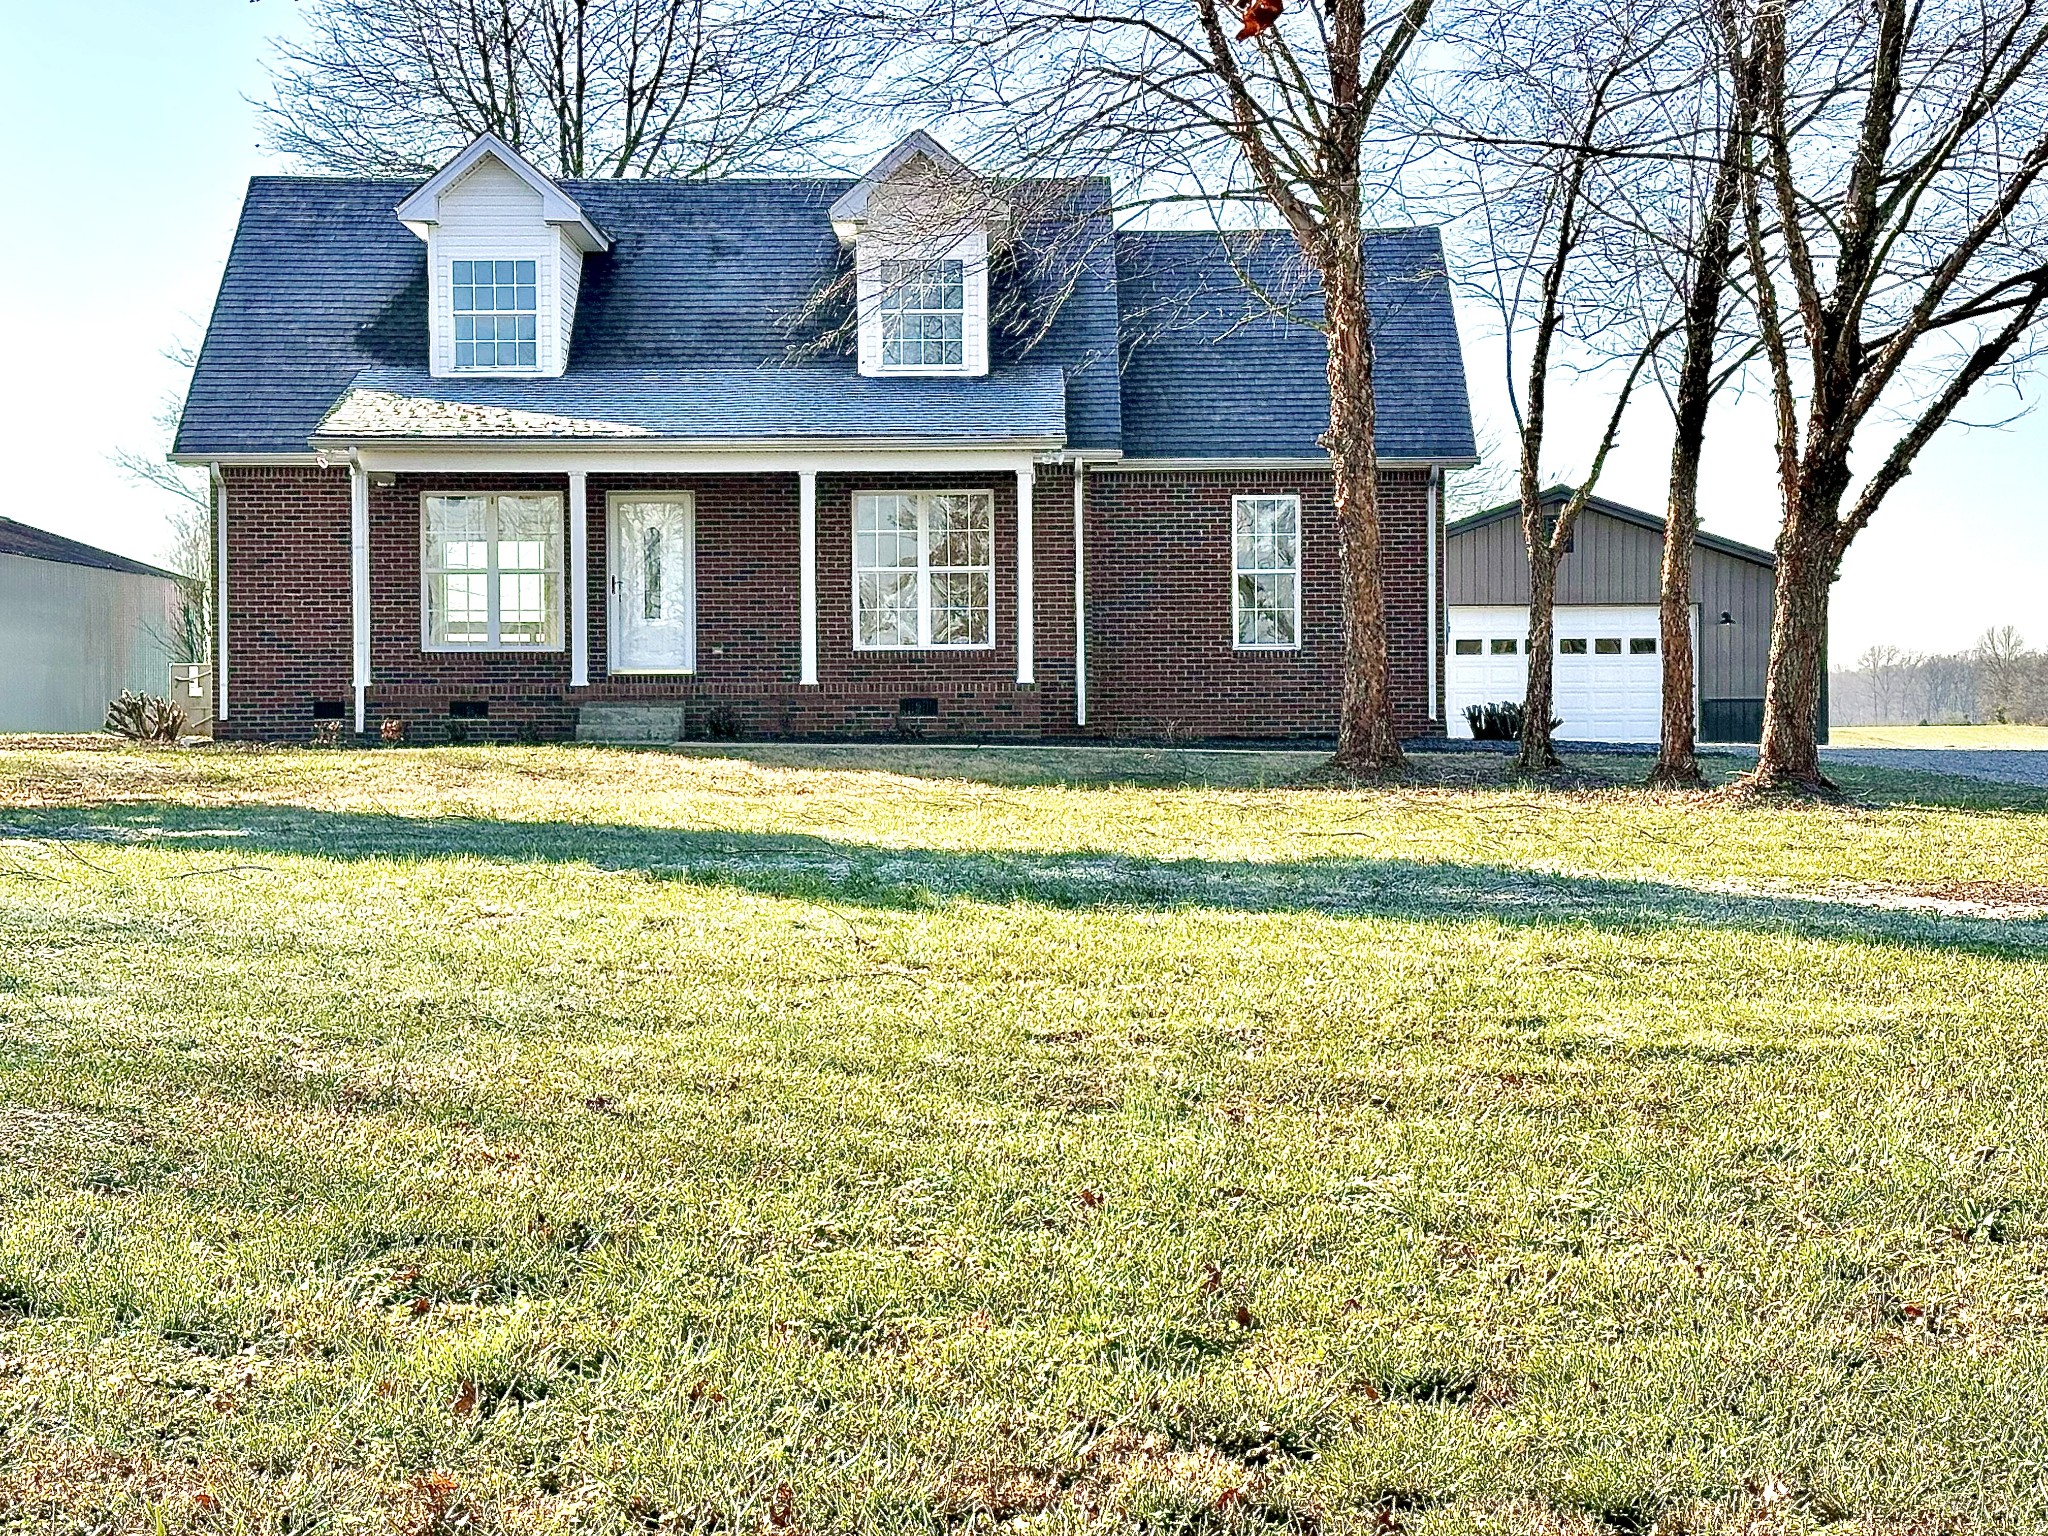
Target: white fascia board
[[684, 459], [244, 460], [420, 211], [1143, 466]]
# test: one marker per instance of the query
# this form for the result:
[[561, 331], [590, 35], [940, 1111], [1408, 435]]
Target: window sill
[[484, 648], [922, 650], [1266, 650]]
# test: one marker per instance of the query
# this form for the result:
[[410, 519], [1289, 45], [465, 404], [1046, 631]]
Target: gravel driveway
[[2007, 765]]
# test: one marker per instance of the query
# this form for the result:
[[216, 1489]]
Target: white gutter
[[1080, 594], [359, 584], [219, 487], [1436, 480]]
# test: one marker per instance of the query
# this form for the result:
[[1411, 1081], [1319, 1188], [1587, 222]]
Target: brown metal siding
[[1613, 564]]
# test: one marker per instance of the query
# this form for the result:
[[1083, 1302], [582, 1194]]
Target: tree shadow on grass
[[813, 868]]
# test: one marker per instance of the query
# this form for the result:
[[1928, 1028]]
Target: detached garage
[[1609, 673], [78, 625]]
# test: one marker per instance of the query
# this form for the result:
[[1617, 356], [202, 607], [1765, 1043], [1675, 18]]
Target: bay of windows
[[492, 572], [496, 314], [924, 570], [1267, 588]]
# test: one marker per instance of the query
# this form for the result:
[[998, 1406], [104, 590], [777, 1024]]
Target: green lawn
[[560, 1139]]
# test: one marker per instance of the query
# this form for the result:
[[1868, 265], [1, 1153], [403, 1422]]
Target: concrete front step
[[629, 722]]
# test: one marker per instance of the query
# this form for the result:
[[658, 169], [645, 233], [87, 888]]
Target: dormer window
[[921, 226], [923, 313], [505, 249], [497, 314]]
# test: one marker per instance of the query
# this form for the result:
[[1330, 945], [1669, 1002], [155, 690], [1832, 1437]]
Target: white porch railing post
[[1080, 596], [220, 590], [359, 585], [1025, 480], [579, 579], [807, 573]]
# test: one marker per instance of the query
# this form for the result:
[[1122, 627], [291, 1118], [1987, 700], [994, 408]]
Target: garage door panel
[[1609, 677]]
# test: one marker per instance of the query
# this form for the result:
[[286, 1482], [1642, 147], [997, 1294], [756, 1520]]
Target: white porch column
[[220, 591], [1436, 480], [1080, 597], [1025, 479], [359, 583], [579, 579], [807, 574]]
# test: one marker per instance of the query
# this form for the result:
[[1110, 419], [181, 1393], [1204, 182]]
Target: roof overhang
[[421, 211], [822, 456]]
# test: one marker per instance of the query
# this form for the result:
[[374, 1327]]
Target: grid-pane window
[[497, 314], [1268, 571], [923, 308], [924, 569], [493, 571]]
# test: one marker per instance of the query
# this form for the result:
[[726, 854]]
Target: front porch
[[825, 596]]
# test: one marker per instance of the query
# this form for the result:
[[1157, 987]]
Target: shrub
[[328, 733], [722, 723], [144, 717], [392, 732], [1498, 722]]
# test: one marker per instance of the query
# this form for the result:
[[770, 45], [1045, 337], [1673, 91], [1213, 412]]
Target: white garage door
[[1610, 679]]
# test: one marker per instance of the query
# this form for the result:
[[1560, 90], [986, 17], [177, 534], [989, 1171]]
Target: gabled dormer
[[921, 225], [505, 249]]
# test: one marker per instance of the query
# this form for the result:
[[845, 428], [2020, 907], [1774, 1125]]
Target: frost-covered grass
[[561, 1139]]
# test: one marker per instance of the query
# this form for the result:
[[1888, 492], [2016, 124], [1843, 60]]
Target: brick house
[[797, 458]]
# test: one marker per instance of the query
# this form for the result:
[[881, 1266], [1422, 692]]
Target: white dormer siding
[[919, 264], [492, 215], [489, 205], [921, 225]]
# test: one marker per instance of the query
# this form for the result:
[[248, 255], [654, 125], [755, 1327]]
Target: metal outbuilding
[[1609, 672], [78, 626]]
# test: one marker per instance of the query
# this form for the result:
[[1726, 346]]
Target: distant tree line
[[1999, 680]]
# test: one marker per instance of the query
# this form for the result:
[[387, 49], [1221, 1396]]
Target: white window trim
[[494, 645], [687, 500], [971, 251], [1237, 642], [924, 571], [444, 253]]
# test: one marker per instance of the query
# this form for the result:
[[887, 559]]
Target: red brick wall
[[1159, 578], [1161, 653]]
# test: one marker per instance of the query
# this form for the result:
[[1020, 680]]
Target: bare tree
[[599, 88], [1689, 211], [1230, 110], [2002, 668], [1545, 109], [1895, 175], [189, 512], [1880, 664]]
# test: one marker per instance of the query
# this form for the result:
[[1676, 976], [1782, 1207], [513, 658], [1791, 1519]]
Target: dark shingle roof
[[40, 544], [323, 282], [1222, 357], [702, 405], [1614, 509]]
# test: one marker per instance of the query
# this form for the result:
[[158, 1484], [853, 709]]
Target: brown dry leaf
[[465, 1400]]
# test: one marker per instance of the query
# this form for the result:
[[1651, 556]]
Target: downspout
[[1080, 597], [359, 582], [218, 485], [1436, 480]]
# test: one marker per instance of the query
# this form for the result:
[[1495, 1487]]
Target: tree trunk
[[1367, 741], [1539, 753], [1678, 763], [1789, 757]]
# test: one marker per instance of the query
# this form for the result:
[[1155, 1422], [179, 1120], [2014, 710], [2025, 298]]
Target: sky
[[128, 137]]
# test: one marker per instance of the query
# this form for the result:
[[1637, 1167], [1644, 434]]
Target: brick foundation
[[1160, 655]]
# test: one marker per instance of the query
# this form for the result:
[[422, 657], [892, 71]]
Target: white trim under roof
[[420, 211], [1153, 466], [602, 458]]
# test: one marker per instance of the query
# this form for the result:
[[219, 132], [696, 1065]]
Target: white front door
[[652, 556], [1609, 675]]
